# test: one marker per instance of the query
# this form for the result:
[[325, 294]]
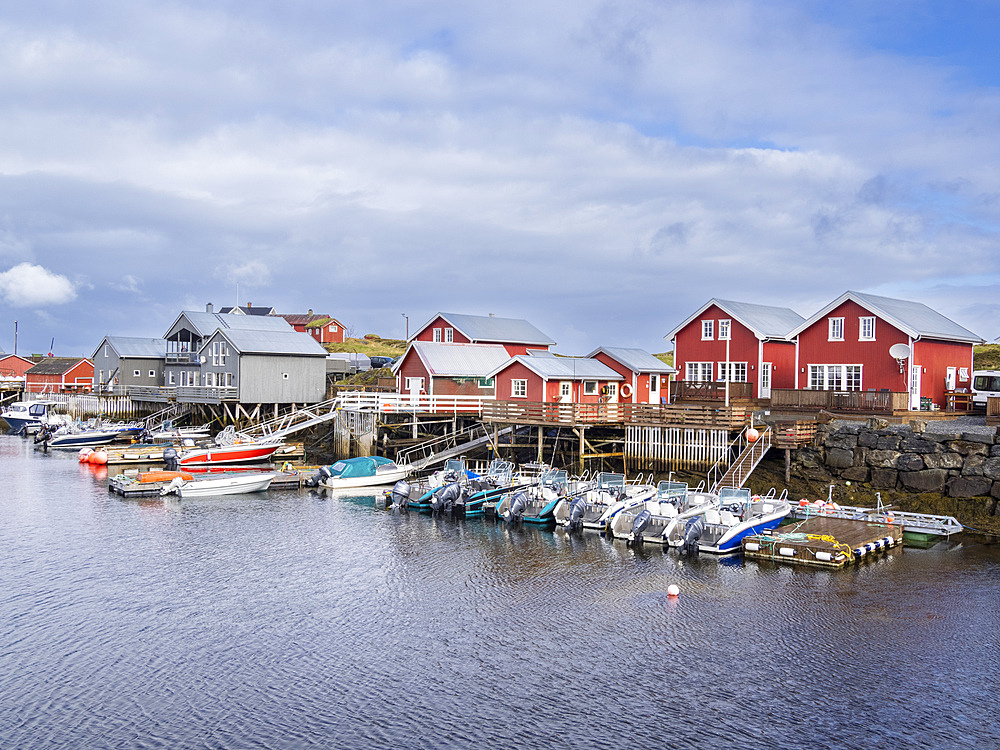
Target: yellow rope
[[838, 545]]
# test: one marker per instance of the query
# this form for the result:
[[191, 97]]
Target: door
[[915, 387], [612, 393], [566, 392], [951, 379], [765, 380]]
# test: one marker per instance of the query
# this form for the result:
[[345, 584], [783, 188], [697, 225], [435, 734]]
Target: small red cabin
[[846, 347], [547, 378], [645, 379], [14, 366], [751, 337], [449, 369], [60, 375], [515, 335], [322, 328]]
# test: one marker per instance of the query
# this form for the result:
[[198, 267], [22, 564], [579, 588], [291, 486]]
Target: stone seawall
[[915, 458]]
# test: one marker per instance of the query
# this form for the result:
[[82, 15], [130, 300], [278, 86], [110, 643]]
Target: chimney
[[209, 308], [491, 315], [249, 305], [310, 312]]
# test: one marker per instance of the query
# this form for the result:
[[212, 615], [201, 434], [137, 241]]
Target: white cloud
[[27, 285]]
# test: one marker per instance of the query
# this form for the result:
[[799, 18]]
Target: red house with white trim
[[322, 328], [515, 335], [14, 366], [752, 337], [60, 375], [438, 369], [547, 378], [845, 347], [645, 378]]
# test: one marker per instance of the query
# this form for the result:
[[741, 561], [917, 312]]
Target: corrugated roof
[[134, 346], [272, 342], [54, 365], [766, 321], [490, 329], [247, 310], [637, 360], [568, 368], [460, 360], [206, 323]]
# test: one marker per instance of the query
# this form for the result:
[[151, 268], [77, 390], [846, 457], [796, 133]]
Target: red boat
[[238, 453]]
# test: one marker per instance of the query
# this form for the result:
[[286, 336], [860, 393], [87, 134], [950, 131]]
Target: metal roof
[[637, 360], [565, 368], [271, 342], [490, 329], [766, 321], [247, 310], [206, 323], [55, 365], [459, 360], [134, 346], [915, 319]]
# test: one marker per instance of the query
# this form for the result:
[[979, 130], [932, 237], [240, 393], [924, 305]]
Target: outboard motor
[[639, 524], [692, 534], [170, 460], [576, 510], [322, 473], [445, 498], [518, 504], [400, 494]]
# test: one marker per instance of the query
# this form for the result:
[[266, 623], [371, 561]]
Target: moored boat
[[230, 483], [364, 471], [720, 531], [669, 509], [28, 417]]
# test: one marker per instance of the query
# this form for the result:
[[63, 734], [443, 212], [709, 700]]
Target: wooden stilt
[[788, 465]]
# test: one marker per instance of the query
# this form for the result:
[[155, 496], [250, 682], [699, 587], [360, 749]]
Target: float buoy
[[84, 455], [673, 591], [98, 457], [752, 435]]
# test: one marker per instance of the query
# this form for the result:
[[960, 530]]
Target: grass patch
[[666, 357], [377, 348], [986, 357]]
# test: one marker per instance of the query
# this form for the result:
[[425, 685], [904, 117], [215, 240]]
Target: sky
[[600, 168]]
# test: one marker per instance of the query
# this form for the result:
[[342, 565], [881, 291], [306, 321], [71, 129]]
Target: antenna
[[900, 353]]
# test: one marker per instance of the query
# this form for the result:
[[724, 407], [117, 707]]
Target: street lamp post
[[407, 325]]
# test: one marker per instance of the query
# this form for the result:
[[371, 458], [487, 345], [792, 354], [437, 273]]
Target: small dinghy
[[230, 483]]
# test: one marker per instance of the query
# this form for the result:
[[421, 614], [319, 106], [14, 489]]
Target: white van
[[985, 383]]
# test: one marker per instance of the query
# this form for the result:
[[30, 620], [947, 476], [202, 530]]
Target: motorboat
[[90, 435], [536, 503], [168, 432], [720, 531], [467, 493], [229, 483], [229, 447], [28, 417], [670, 508], [364, 471], [595, 505]]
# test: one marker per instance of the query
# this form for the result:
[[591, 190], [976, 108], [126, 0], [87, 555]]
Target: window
[[414, 385], [698, 371], [724, 326], [284, 376], [228, 379], [519, 388], [449, 335], [835, 377], [707, 330], [589, 387], [219, 351], [485, 382], [105, 351], [836, 329], [135, 373], [737, 372], [866, 328], [333, 328], [100, 376], [565, 390], [152, 373], [654, 384], [170, 378], [437, 335]]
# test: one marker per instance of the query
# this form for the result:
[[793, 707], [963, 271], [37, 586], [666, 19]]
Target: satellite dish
[[899, 351]]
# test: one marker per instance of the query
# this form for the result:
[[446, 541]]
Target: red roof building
[[14, 366], [546, 378], [515, 335], [645, 378], [323, 328], [438, 369], [60, 375]]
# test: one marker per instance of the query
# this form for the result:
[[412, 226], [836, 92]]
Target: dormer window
[[449, 335], [437, 335], [707, 330]]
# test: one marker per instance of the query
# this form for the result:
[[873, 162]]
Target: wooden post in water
[[541, 437], [580, 432], [788, 465]]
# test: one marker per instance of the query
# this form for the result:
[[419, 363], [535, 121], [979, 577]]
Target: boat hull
[[226, 485], [83, 439], [387, 478], [229, 454]]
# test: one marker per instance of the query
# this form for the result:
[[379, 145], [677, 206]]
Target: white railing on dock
[[388, 403]]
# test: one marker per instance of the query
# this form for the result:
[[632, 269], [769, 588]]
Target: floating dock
[[824, 541]]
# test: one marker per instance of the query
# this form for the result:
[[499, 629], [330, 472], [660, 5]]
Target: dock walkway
[[824, 541]]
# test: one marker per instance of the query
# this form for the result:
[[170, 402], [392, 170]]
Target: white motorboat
[[668, 510], [720, 530], [364, 471], [28, 417], [230, 483]]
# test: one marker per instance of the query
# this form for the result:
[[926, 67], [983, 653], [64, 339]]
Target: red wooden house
[[438, 369], [60, 375], [322, 328], [515, 335], [845, 347], [753, 338], [547, 378], [14, 366], [645, 378]]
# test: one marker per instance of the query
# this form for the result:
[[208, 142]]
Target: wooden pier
[[824, 541]]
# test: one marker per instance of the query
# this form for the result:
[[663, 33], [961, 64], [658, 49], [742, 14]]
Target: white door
[[915, 387], [612, 393], [765, 380], [566, 392], [951, 379]]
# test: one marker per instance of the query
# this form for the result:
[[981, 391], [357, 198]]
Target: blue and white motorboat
[[91, 435], [535, 504], [596, 505], [28, 417], [654, 520], [720, 531]]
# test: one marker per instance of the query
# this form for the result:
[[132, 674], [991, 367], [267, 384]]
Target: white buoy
[[673, 591]]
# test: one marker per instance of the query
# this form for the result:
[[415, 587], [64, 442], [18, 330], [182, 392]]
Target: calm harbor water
[[298, 619]]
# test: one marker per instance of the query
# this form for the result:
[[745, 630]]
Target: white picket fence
[[674, 448]]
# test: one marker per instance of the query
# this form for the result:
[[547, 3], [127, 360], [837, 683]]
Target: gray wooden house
[[127, 361], [265, 367]]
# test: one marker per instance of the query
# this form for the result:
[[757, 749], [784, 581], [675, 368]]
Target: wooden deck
[[151, 455], [824, 541], [699, 416]]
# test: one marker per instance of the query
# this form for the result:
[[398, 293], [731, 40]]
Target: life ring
[[626, 390]]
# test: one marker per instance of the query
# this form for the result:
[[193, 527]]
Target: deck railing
[[693, 390], [688, 415], [866, 402]]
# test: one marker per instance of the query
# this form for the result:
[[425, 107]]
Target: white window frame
[[565, 389], [737, 372], [698, 372], [486, 382], [449, 335], [725, 329], [284, 376], [437, 335], [152, 373], [832, 325], [708, 330], [170, 378], [836, 377], [333, 328], [590, 388], [136, 373], [519, 388], [409, 385], [863, 321]]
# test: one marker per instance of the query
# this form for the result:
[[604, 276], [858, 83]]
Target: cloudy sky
[[599, 167]]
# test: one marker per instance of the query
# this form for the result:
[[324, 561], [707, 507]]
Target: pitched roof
[[133, 346], [457, 360], [637, 360], [489, 329], [564, 368], [55, 365], [305, 319], [915, 319], [206, 323], [766, 321], [248, 341], [247, 310]]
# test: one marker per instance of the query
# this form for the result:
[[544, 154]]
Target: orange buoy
[[98, 457], [84, 455], [752, 435]]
